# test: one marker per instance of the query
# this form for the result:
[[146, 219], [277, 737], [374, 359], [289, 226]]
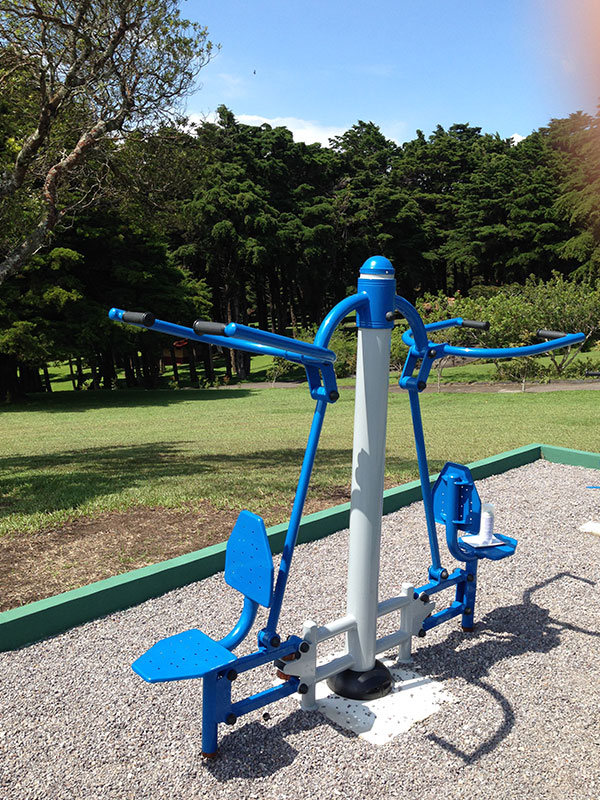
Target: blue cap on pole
[[377, 282], [377, 265]]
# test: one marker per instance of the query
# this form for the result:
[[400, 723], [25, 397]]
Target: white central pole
[[368, 678], [366, 503]]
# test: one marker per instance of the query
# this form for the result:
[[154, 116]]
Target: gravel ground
[[76, 722]]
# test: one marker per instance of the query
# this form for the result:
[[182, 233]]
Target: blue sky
[[508, 66]]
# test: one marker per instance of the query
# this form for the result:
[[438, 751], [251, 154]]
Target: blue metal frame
[[371, 304], [427, 352]]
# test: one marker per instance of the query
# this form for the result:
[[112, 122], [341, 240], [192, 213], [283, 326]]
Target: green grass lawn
[[71, 454]]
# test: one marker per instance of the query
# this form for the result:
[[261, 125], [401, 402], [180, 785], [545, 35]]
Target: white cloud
[[303, 130], [516, 138]]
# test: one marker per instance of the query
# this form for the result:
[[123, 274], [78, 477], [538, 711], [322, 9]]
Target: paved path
[[501, 388]]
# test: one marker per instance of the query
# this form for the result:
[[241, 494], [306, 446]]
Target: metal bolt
[[422, 633], [304, 647], [231, 675], [470, 578], [302, 689], [230, 719], [275, 641], [468, 611], [444, 574], [424, 597]]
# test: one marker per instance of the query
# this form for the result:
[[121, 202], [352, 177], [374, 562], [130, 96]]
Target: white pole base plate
[[413, 698]]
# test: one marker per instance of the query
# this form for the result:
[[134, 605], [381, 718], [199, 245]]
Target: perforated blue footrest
[[495, 553], [190, 654]]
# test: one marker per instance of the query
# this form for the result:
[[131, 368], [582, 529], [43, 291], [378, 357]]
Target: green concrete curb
[[35, 621], [574, 458]]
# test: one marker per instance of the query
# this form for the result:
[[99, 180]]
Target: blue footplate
[[190, 654], [495, 552]]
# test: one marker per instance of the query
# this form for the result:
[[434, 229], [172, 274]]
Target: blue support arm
[[417, 329], [241, 629], [353, 303]]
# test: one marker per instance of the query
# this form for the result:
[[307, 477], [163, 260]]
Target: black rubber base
[[369, 685]]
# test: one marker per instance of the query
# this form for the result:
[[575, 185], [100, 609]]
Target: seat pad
[[190, 654]]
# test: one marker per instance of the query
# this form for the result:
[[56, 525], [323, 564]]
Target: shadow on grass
[[505, 633], [83, 401], [70, 478]]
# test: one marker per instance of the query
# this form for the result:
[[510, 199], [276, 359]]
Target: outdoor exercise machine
[[452, 502]]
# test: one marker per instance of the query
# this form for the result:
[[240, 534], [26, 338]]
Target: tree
[[577, 139], [78, 75]]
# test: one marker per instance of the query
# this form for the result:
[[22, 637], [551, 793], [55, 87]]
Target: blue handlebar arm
[[297, 356], [244, 332], [407, 336], [489, 352], [514, 352]]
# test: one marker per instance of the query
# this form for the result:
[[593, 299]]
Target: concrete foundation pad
[[413, 698], [591, 527]]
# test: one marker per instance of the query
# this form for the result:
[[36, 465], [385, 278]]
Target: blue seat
[[190, 654], [457, 505], [193, 654]]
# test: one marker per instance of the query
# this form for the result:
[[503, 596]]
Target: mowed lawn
[[78, 454]]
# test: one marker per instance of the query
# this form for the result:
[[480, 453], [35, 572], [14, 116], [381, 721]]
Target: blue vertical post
[[268, 636], [415, 410], [368, 678]]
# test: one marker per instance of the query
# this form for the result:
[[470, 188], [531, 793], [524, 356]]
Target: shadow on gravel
[[258, 750], [506, 632]]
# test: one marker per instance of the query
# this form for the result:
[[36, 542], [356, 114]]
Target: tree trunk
[[130, 379], [72, 373], [150, 369], [174, 364], [139, 373], [80, 377], [29, 379], [209, 370], [95, 374], [10, 391], [47, 378], [109, 374], [193, 371]]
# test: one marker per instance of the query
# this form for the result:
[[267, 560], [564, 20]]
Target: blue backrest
[[248, 559], [466, 513]]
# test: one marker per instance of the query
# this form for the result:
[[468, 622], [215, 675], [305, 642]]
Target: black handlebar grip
[[146, 318], [202, 326], [590, 374], [542, 333], [472, 323]]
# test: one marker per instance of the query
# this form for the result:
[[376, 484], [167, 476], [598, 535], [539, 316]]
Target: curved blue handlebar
[[511, 352], [488, 352]]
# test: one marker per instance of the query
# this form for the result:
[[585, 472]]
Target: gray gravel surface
[[76, 722]]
